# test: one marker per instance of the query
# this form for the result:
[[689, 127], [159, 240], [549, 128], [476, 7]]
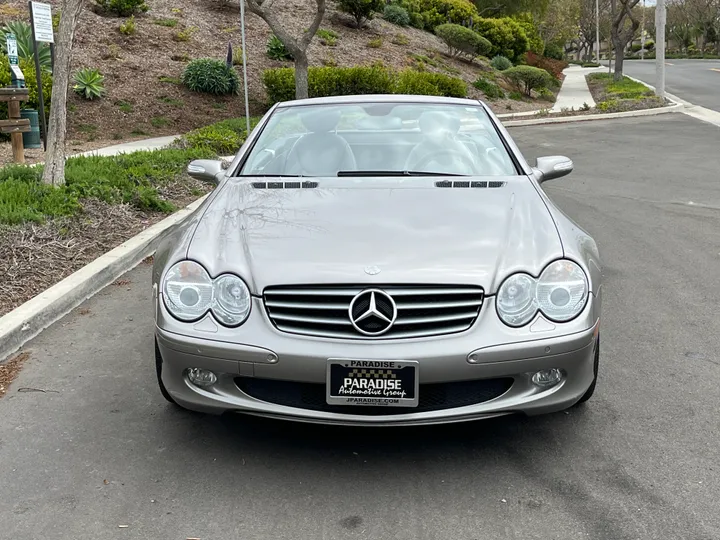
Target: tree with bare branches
[[54, 172], [297, 46], [625, 24]]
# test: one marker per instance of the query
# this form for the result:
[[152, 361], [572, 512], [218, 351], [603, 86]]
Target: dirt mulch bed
[[597, 90], [34, 257]]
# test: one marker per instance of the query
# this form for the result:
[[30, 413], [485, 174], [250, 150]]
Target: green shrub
[[27, 66], [361, 10], [535, 42], [222, 141], [211, 76], [123, 8], [376, 79], [23, 199], [545, 94], [375, 43], [327, 37], [607, 105], [184, 35], [554, 51], [397, 15], [507, 37], [23, 35], [276, 49], [490, 89], [649, 44], [589, 64], [517, 96], [501, 63], [463, 41], [400, 39], [428, 14], [528, 78], [88, 83], [128, 27], [170, 23]]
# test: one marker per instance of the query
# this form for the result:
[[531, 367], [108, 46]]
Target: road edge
[[29, 319]]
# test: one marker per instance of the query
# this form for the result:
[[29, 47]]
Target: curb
[[590, 117], [28, 320]]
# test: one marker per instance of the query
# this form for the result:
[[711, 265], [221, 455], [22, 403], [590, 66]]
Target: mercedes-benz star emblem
[[373, 312]]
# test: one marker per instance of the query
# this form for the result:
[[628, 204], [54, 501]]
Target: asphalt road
[[99, 448], [696, 81]]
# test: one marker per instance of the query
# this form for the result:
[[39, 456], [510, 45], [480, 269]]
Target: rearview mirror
[[552, 167], [207, 170]]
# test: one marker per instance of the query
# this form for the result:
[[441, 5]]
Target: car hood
[[399, 231]]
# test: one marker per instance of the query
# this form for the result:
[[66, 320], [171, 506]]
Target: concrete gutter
[[28, 320]]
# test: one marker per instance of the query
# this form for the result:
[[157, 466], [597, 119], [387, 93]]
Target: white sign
[[12, 51], [42, 21]]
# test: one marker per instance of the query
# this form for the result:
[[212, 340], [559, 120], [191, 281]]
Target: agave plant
[[23, 34], [89, 83]]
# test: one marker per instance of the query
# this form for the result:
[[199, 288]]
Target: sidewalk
[[574, 93], [135, 146]]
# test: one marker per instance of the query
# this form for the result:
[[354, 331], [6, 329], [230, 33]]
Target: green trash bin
[[31, 139]]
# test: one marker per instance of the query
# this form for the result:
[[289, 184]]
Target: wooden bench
[[15, 125]]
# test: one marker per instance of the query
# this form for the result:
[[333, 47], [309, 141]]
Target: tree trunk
[[301, 75], [54, 172], [619, 60]]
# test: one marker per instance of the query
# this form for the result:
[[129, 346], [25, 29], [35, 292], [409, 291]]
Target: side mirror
[[207, 170], [552, 167]]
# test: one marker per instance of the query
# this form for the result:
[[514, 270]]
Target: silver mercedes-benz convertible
[[378, 261]]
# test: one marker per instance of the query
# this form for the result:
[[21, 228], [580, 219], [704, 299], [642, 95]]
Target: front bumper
[[469, 356]]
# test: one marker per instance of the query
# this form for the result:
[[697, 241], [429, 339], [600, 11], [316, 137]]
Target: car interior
[[327, 140]]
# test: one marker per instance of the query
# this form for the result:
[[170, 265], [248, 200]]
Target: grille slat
[[422, 310]]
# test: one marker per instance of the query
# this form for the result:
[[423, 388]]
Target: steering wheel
[[429, 158]]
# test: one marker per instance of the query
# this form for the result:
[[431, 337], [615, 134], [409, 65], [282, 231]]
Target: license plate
[[372, 383]]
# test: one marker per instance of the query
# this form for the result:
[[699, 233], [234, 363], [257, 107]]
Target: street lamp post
[[244, 58], [597, 29], [660, 19]]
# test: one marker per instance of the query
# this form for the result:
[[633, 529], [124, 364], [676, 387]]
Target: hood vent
[[285, 185], [468, 184]]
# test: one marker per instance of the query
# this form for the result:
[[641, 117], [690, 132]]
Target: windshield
[[370, 139]]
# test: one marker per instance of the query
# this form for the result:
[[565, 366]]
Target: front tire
[[158, 369], [590, 391]]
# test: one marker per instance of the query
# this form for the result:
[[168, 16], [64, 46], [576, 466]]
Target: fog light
[[201, 377], [547, 377]]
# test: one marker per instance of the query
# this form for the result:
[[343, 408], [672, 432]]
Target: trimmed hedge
[[427, 14], [506, 35], [463, 41], [397, 15], [376, 79], [501, 63], [528, 78]]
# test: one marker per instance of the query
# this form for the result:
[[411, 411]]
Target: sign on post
[[12, 50], [42, 30], [42, 22]]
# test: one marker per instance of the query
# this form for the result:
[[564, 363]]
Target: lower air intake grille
[[422, 310], [433, 397]]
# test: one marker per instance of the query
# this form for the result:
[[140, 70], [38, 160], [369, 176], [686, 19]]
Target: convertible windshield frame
[[393, 120]]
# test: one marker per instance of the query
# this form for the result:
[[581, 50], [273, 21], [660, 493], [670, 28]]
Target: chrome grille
[[421, 310]]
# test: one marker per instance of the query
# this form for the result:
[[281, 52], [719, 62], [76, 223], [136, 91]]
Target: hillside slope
[[143, 95]]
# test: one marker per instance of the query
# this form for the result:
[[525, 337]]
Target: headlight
[[187, 290], [560, 293], [516, 302], [232, 300], [189, 293]]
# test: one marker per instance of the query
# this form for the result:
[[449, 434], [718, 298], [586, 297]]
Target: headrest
[[320, 120]]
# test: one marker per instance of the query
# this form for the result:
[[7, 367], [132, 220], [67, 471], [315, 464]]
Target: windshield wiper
[[395, 173], [269, 176]]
